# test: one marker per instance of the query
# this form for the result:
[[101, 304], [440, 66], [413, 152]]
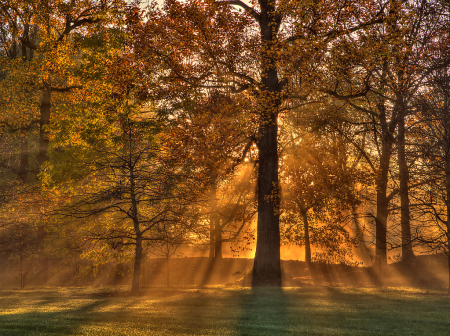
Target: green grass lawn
[[224, 311]]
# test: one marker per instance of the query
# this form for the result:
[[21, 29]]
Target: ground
[[309, 310]]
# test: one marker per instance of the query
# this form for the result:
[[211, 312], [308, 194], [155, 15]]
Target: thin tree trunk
[[168, 270], [267, 266], [407, 251], [217, 226], [448, 258], [24, 153], [138, 233], [211, 238], [447, 185], [137, 264], [363, 252], [218, 242], [120, 267], [45, 108], [307, 241], [382, 177], [382, 206], [24, 52], [41, 234], [212, 217], [448, 230], [14, 43]]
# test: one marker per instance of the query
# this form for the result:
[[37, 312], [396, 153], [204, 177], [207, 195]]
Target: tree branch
[[244, 6], [67, 88]]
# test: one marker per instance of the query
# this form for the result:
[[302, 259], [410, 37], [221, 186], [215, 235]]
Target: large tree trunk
[[45, 108], [267, 266], [407, 251]]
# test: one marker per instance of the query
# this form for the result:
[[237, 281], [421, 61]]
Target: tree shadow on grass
[[264, 311], [66, 321], [153, 312], [351, 311]]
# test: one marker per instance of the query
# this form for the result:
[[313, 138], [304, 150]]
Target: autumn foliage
[[208, 125]]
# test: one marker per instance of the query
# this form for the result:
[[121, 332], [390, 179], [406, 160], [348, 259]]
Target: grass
[[224, 311]]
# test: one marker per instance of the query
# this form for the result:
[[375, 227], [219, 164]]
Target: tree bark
[[267, 265], [137, 265], [382, 205], [407, 251], [138, 233]]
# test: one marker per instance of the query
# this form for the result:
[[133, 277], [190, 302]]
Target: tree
[[44, 29], [109, 163], [319, 172], [20, 242], [211, 133], [39, 59], [20, 96], [435, 148], [255, 48], [388, 78]]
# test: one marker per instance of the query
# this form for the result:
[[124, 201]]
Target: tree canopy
[[211, 124]]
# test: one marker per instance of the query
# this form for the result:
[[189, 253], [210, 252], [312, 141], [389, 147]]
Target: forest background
[[313, 130]]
